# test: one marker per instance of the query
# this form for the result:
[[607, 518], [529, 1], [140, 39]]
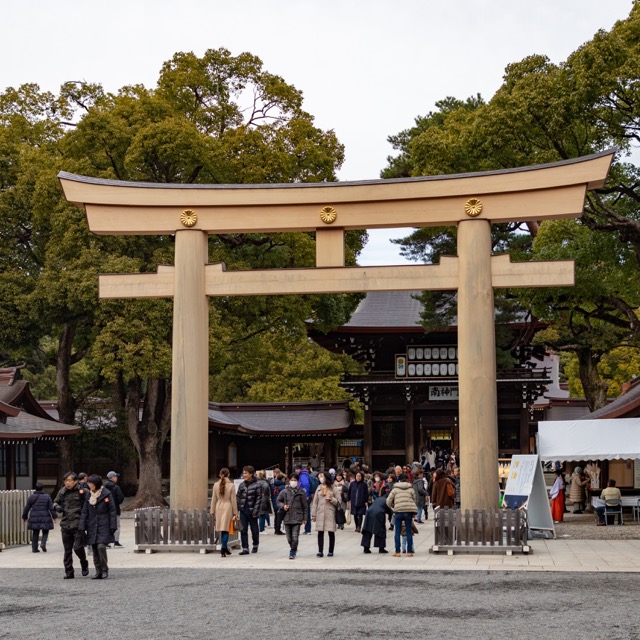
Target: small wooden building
[[280, 434], [29, 436]]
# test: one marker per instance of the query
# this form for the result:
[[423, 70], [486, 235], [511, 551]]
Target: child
[[403, 534]]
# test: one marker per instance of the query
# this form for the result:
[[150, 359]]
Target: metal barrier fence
[[160, 529], [13, 531], [493, 531]]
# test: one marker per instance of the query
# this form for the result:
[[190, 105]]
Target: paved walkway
[[560, 555]]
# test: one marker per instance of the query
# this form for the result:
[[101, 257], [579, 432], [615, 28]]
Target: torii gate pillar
[[190, 372], [477, 360]]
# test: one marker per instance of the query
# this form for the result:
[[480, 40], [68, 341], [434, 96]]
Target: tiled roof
[[387, 309], [281, 418], [22, 419], [626, 405]]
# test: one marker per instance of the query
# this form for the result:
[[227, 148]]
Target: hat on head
[[113, 474]]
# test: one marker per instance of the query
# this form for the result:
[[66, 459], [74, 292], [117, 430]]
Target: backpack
[[314, 483], [451, 489]]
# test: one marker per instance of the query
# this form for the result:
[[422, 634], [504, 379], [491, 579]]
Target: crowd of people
[[89, 512], [400, 496]]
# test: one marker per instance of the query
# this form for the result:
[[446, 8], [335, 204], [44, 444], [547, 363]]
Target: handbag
[[347, 517], [451, 489], [340, 516], [238, 525]]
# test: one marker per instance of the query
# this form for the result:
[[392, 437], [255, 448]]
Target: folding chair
[[636, 512], [611, 508]]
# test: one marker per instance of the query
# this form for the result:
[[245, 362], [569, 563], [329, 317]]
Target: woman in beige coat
[[224, 508], [577, 492], [323, 512]]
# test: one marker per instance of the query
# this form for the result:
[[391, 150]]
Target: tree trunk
[[66, 402], [595, 389], [148, 435]]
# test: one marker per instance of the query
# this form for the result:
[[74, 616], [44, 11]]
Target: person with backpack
[[304, 480], [443, 492], [112, 484]]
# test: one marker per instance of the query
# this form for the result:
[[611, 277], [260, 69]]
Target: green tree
[[213, 119], [543, 113]]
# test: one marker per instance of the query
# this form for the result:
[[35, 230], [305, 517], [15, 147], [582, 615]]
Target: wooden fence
[[493, 531], [159, 529], [13, 531]]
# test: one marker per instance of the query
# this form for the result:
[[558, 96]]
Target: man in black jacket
[[118, 496], [249, 499], [69, 503]]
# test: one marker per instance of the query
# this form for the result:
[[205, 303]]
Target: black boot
[[105, 575], [85, 569], [97, 576], [68, 576]]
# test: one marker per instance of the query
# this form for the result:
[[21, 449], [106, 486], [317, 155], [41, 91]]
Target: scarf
[[94, 497]]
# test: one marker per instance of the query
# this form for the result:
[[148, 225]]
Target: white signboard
[[443, 392], [636, 474]]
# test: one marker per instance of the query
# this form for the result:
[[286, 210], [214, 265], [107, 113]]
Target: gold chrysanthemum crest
[[328, 215], [473, 207], [188, 217]]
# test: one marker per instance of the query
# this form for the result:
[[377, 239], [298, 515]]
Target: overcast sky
[[366, 68]]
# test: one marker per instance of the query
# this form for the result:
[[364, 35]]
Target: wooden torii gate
[[472, 202]]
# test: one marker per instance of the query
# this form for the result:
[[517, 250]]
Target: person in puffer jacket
[[39, 514], [69, 503], [402, 500], [249, 498]]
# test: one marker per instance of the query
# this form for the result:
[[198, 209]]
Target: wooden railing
[[493, 531], [13, 531], [160, 529]]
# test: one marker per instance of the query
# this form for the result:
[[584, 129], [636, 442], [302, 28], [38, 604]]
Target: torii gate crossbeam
[[471, 201]]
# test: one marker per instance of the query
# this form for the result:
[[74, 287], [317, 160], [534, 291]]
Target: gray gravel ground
[[583, 527], [220, 604]]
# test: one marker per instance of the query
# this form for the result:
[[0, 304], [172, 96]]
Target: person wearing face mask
[[293, 501], [323, 512]]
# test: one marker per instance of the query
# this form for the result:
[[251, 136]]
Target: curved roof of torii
[[526, 193]]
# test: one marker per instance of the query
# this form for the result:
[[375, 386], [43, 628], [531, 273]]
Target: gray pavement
[[566, 587], [616, 554]]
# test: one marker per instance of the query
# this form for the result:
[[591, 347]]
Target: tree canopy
[[545, 112], [218, 118]]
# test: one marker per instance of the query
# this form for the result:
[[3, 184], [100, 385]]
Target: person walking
[[279, 483], [293, 501], [358, 499], [98, 519], [442, 490], [224, 508], [421, 493], [118, 497], [402, 500], [326, 501], [249, 499], [39, 515], [69, 503], [264, 518], [340, 485]]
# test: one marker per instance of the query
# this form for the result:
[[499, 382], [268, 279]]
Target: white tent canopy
[[574, 440]]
